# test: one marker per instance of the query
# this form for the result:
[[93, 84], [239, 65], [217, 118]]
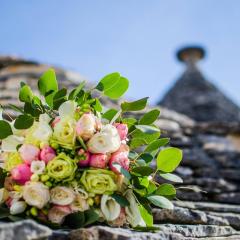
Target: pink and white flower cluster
[[67, 164]]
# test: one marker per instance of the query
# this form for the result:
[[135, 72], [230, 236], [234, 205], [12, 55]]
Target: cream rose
[[36, 194], [80, 203], [62, 195], [110, 208], [105, 141], [86, 126]]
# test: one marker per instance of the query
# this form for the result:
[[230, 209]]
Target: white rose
[[37, 167], [36, 194], [17, 207], [16, 195], [67, 109], [133, 214], [86, 126], [43, 131], [110, 208], [79, 204], [62, 195], [105, 141], [3, 195], [10, 143]]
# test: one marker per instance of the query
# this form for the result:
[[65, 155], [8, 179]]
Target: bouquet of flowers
[[66, 161]]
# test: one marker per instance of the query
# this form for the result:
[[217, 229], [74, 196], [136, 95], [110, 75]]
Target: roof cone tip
[[191, 54]]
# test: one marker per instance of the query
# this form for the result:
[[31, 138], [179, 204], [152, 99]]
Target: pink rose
[[86, 126], [86, 161], [47, 154], [120, 157], [29, 153], [21, 174], [122, 130], [99, 160], [55, 121], [57, 213]]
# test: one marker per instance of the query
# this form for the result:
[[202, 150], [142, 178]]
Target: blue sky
[[135, 37]]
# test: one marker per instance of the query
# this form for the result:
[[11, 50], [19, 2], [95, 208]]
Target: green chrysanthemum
[[99, 181], [62, 168]]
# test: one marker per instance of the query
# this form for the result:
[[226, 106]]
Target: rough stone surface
[[210, 167], [25, 230]]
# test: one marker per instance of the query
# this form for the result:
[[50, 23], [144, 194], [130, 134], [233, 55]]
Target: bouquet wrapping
[[67, 161]]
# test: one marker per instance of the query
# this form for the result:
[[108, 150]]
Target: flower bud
[[86, 126], [120, 157], [21, 174], [29, 153], [98, 160], [85, 162], [17, 207], [122, 130], [47, 154]]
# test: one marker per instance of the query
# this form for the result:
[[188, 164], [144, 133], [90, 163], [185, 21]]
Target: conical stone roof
[[195, 96]]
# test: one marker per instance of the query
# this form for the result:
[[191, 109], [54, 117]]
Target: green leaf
[[5, 129], [2, 177], [139, 138], [147, 129], [146, 215], [59, 97], [146, 157], [129, 121], [25, 94], [150, 117], [30, 109], [166, 190], [109, 114], [144, 181], [16, 108], [151, 188], [113, 85], [168, 159], [23, 121], [171, 177], [47, 85], [78, 89], [134, 106], [160, 201], [122, 170], [156, 144], [120, 199], [75, 220], [97, 105], [48, 82], [142, 171], [90, 217], [4, 212]]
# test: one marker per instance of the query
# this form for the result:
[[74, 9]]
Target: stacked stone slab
[[211, 166]]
